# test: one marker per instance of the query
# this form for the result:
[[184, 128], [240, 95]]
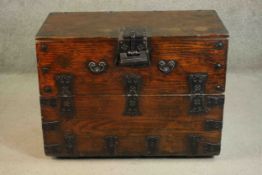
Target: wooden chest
[[132, 84]]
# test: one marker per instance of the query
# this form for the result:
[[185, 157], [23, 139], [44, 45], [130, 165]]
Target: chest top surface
[[199, 23]]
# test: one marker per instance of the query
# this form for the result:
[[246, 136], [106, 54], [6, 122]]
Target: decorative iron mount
[[70, 140], [132, 86], [53, 149], [111, 142], [197, 82], [133, 48], [64, 84], [210, 148], [211, 125], [195, 141], [96, 68], [50, 126], [68, 146], [201, 103], [166, 66], [50, 102], [152, 144]]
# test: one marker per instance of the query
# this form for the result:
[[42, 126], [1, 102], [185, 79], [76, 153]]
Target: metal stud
[[219, 88], [44, 47], [218, 66], [45, 70], [47, 89], [219, 45]]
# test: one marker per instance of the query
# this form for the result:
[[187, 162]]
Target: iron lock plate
[[133, 48]]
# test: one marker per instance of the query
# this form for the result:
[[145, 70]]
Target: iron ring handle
[[166, 66], [97, 67]]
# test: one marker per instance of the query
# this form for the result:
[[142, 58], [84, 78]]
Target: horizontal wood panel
[[129, 127], [152, 108], [191, 55], [171, 144], [163, 116], [196, 23]]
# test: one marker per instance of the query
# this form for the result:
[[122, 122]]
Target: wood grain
[[198, 23], [170, 144], [71, 56], [196, 40], [166, 108]]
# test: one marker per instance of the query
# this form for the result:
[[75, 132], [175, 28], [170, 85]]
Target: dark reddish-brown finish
[[153, 108], [191, 55], [67, 41], [199, 23], [171, 143]]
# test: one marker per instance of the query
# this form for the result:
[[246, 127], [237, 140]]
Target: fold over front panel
[[93, 65]]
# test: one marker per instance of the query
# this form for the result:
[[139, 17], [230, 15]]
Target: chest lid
[[199, 23]]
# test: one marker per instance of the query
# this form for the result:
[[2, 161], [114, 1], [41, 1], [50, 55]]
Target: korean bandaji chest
[[132, 84]]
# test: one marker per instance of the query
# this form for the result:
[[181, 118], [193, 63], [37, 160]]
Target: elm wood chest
[[132, 84]]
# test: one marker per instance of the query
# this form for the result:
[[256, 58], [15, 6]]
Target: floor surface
[[21, 147]]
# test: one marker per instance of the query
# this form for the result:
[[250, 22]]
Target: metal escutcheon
[[166, 66], [96, 67]]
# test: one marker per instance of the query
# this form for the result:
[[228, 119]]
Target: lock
[[133, 48]]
